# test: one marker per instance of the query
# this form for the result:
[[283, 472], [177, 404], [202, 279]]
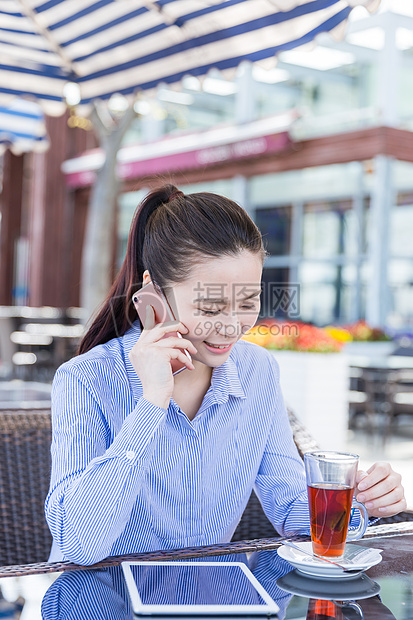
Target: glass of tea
[[331, 479]]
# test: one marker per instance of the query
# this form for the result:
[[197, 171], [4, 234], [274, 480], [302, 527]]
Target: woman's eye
[[248, 307], [210, 312]]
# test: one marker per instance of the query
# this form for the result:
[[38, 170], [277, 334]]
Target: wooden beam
[[54, 231], [342, 148], [10, 209]]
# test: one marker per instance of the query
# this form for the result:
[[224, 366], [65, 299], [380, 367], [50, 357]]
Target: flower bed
[[299, 336], [289, 336]]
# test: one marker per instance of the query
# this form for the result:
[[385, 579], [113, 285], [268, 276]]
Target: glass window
[[352, 295], [401, 227], [275, 98], [321, 292], [400, 273], [278, 299], [350, 233], [329, 229], [223, 187], [275, 226], [332, 96], [320, 183]]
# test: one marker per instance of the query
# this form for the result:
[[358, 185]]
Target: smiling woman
[[146, 459]]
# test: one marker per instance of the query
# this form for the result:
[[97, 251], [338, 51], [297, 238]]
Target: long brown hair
[[170, 232]]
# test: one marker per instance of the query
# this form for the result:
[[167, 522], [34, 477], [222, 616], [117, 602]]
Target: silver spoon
[[319, 557]]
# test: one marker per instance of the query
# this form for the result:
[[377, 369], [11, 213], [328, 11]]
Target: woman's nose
[[228, 326]]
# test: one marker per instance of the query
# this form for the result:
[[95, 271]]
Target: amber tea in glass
[[331, 479]]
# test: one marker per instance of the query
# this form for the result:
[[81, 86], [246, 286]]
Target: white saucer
[[354, 557]]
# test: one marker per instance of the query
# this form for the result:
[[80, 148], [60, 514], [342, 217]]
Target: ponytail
[[117, 312]]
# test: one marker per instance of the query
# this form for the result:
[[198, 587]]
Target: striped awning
[[22, 127], [121, 46]]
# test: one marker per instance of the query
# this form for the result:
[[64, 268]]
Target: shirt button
[[130, 455]]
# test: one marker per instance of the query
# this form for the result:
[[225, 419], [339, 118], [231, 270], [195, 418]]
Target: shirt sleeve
[[280, 483], [94, 483]]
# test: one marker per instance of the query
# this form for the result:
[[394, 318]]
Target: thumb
[[150, 318]]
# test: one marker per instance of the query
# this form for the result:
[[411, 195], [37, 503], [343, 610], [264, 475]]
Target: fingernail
[[362, 486], [369, 505], [361, 498]]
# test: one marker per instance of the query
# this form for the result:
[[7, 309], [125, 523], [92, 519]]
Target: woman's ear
[[146, 278]]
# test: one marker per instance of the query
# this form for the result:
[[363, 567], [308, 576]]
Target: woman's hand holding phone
[[152, 355]]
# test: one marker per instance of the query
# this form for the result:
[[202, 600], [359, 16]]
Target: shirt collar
[[128, 341], [225, 380]]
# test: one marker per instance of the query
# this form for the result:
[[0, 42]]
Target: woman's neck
[[191, 387]]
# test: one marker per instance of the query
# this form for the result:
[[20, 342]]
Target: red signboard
[[191, 159]]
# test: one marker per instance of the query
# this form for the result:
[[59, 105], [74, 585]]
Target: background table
[[27, 395]]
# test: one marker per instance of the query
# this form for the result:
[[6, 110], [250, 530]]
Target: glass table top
[[382, 592]]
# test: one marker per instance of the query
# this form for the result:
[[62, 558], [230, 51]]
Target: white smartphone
[[149, 296]]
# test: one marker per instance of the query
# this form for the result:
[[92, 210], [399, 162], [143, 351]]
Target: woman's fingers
[[161, 329], [388, 510], [387, 501], [380, 490], [174, 341], [166, 334], [149, 318], [379, 474], [180, 355]]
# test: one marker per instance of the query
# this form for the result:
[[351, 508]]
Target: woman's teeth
[[217, 346]]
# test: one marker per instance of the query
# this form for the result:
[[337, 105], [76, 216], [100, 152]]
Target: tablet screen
[[177, 588]]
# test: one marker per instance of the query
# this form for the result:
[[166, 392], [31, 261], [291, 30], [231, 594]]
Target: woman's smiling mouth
[[218, 348]]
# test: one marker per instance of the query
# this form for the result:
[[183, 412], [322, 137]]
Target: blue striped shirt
[[128, 476]]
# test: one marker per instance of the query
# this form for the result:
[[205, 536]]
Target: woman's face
[[219, 303]]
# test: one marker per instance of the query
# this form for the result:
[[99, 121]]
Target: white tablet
[[196, 588]]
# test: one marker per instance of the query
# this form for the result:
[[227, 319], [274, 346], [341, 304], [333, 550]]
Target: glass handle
[[364, 521]]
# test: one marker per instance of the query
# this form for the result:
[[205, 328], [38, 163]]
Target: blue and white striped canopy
[[121, 46], [22, 127]]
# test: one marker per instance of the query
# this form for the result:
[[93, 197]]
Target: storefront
[[335, 212]]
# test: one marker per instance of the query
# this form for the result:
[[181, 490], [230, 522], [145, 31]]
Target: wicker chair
[[25, 438]]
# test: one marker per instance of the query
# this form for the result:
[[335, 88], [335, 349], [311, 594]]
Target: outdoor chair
[[25, 438], [382, 395]]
